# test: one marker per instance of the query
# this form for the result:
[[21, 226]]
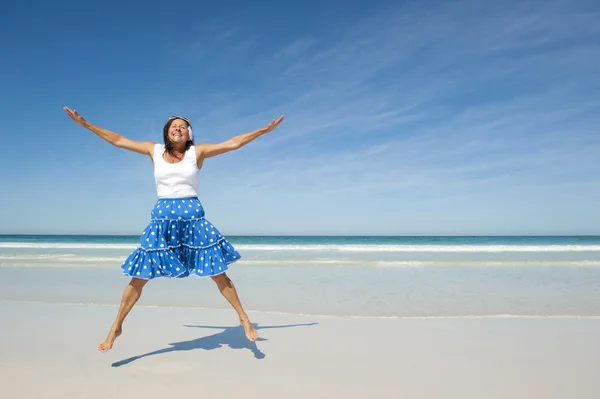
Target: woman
[[178, 241]]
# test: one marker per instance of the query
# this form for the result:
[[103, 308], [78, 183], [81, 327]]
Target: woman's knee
[[138, 283], [221, 279]]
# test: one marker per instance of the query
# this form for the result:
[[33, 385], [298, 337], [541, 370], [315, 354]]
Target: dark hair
[[168, 145]]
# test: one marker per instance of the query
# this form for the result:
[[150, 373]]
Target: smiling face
[[176, 134], [179, 132]]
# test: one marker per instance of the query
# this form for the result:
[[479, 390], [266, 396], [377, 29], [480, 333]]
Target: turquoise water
[[358, 276], [109, 251], [328, 240]]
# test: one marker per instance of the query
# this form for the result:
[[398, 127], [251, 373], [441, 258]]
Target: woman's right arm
[[141, 147]]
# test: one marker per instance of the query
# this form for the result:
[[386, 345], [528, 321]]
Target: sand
[[48, 350]]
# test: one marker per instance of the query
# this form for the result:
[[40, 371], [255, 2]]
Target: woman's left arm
[[204, 151]]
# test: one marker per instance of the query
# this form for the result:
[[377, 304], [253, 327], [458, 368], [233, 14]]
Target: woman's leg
[[229, 292], [131, 294]]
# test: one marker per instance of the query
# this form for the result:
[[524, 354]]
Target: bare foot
[[110, 339], [251, 333]]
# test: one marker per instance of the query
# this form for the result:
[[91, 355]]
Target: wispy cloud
[[444, 97], [453, 101], [449, 95]]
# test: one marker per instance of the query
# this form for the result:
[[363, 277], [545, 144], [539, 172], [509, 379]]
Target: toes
[[252, 335]]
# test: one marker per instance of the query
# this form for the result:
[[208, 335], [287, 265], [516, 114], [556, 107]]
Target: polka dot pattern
[[179, 241]]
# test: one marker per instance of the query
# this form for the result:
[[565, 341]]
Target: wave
[[46, 245], [450, 248], [417, 263], [62, 257], [59, 260], [424, 248]]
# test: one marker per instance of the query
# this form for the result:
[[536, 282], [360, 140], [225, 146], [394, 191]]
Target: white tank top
[[176, 180]]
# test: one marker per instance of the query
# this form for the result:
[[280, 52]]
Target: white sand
[[49, 351]]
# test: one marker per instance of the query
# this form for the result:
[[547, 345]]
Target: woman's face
[[179, 132]]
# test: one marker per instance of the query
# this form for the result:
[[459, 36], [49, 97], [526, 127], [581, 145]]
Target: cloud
[[453, 101], [451, 95]]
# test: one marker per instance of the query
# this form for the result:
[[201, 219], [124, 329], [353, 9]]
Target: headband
[[191, 134]]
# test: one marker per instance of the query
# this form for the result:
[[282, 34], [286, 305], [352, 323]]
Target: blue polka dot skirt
[[179, 242]]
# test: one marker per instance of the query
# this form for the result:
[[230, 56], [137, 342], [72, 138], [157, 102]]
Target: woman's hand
[[76, 117], [274, 123]]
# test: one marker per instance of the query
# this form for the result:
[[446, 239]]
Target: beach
[[49, 351], [404, 197], [518, 326]]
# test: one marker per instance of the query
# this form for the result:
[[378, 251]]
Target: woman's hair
[[168, 144]]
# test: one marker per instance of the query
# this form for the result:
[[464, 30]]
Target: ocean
[[108, 251], [374, 276]]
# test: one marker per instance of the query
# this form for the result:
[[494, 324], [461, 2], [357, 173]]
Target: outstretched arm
[[234, 143], [141, 147]]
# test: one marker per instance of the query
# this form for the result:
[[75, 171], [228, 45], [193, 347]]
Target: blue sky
[[408, 118]]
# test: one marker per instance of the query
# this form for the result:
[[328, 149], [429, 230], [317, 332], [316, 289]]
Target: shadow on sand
[[234, 337]]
